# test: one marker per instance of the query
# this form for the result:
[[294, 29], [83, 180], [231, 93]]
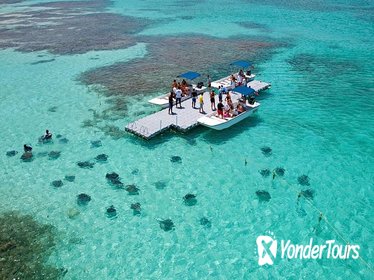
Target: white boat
[[226, 81], [163, 100], [215, 122]]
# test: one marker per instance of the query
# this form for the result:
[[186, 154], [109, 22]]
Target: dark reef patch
[[180, 53], [69, 27], [263, 196], [25, 246]]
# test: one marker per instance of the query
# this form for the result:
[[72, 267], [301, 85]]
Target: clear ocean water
[[318, 120]]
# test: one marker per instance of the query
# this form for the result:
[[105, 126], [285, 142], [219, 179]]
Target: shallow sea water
[[317, 118]]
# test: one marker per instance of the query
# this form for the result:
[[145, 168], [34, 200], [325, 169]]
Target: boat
[[226, 81], [219, 123], [163, 100]]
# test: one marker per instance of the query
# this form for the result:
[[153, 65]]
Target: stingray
[[111, 212], [266, 151], [176, 159], [102, 158], [303, 180], [205, 222], [57, 183], [112, 176], [86, 164], [83, 199], [96, 144], [42, 154], [280, 171], [263, 195], [135, 171], [308, 193], [58, 136], [54, 154], [11, 153], [132, 189], [190, 199], [70, 178], [160, 185], [63, 140], [114, 179], [136, 208], [167, 225], [264, 172], [27, 157]]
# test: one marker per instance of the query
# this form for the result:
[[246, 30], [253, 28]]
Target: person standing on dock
[[178, 98], [171, 102], [212, 101], [201, 102], [209, 82], [194, 96]]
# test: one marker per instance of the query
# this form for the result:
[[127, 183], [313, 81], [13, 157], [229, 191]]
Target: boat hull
[[217, 123]]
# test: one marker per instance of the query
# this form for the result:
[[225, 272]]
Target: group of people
[[45, 138], [183, 89], [241, 78]]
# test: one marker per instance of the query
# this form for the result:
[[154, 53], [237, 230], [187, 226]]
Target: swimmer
[[47, 135], [27, 148]]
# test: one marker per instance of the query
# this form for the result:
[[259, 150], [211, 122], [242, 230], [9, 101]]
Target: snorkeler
[[47, 135], [27, 148]]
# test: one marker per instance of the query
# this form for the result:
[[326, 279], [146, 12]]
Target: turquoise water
[[317, 118]]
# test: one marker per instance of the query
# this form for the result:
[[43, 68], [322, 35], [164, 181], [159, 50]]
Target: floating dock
[[183, 119]]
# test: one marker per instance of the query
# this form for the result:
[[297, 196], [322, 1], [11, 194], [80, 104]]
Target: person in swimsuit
[[171, 102], [220, 109], [212, 101], [194, 96]]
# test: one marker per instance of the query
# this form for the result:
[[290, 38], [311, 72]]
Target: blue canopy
[[242, 63], [244, 90], [189, 75]]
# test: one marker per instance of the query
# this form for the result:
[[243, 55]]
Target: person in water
[[47, 135], [27, 148]]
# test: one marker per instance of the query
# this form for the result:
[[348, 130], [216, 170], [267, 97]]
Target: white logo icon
[[267, 249]]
